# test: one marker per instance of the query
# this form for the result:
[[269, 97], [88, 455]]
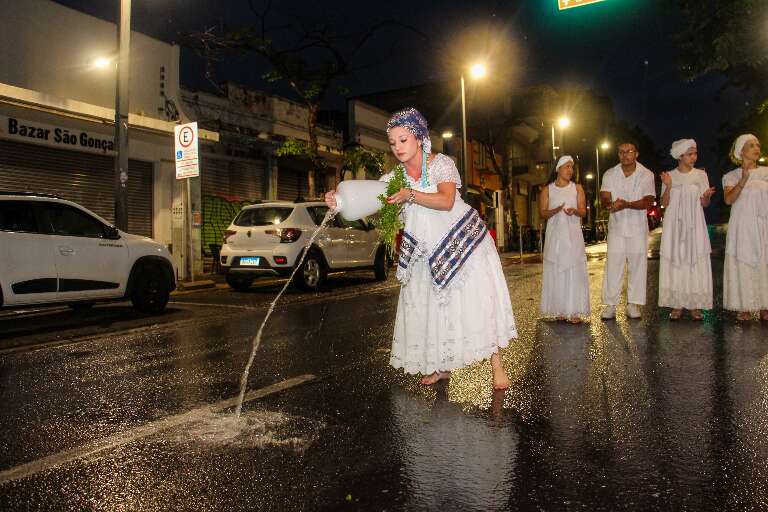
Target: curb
[[195, 285]]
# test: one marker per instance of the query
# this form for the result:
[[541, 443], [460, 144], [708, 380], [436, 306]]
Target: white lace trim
[[451, 361], [669, 298]]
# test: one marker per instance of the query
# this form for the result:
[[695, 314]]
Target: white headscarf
[[563, 160], [738, 146], [681, 147]]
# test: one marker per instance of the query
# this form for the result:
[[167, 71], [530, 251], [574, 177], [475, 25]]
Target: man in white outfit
[[627, 191]]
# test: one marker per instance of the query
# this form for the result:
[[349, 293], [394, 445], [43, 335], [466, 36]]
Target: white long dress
[[454, 306], [745, 279], [685, 269], [565, 285]]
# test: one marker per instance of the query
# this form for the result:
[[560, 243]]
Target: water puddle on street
[[253, 429]]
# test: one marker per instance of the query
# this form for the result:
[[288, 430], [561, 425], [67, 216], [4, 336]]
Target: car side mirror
[[111, 233]]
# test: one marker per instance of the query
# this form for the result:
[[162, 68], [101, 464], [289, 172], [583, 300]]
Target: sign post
[[569, 4], [187, 167]]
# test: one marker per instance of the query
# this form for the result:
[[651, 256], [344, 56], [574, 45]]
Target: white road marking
[[90, 450]]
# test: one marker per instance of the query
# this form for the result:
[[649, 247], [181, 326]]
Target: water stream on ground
[[257, 339]]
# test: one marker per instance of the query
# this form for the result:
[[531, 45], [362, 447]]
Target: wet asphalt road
[[114, 411]]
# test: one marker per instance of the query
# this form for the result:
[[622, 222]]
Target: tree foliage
[[309, 55], [359, 157]]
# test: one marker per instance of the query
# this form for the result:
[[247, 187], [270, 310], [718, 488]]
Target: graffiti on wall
[[218, 214]]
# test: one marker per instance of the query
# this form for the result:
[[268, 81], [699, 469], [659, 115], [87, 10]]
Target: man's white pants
[[631, 251]]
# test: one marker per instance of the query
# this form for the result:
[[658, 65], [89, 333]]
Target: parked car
[[53, 251], [269, 239]]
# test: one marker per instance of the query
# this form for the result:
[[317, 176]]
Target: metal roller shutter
[[84, 178], [237, 180], [291, 184]]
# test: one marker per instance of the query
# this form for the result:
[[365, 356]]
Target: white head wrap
[[738, 146], [563, 160], [681, 147]]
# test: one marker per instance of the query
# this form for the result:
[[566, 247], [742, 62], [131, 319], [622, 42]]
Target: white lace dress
[[685, 269], [454, 306], [565, 284], [745, 277]]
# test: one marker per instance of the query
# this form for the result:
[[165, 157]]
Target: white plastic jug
[[358, 198]]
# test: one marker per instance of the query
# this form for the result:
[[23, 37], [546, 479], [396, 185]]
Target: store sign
[[187, 159], [568, 4], [21, 130]]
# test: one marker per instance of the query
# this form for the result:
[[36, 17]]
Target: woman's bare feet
[[500, 379], [429, 380], [744, 316], [575, 319], [764, 315], [675, 314], [697, 315]]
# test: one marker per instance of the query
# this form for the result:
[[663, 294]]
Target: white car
[[269, 239], [53, 251]]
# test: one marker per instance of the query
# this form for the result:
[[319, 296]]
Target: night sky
[[620, 48]]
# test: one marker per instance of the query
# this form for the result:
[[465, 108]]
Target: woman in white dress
[[454, 306], [685, 271], [565, 285], [745, 279]]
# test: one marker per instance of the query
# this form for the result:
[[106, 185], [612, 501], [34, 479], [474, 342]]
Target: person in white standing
[[745, 279], [685, 269], [565, 285], [626, 192], [454, 308]]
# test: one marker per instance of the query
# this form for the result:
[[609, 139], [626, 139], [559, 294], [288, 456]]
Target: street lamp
[[564, 122], [101, 62], [447, 134], [476, 71]]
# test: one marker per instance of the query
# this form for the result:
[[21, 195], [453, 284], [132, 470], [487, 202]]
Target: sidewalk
[[513, 258]]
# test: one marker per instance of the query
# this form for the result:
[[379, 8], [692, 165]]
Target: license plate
[[250, 261]]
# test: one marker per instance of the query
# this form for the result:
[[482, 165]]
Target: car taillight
[[228, 233], [281, 260], [288, 235]]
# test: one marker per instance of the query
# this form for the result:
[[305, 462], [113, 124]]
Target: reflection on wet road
[[620, 415]]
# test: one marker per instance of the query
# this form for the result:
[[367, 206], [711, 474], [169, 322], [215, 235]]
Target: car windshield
[[263, 216]]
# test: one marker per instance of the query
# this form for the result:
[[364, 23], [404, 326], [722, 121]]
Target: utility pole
[[121, 114]]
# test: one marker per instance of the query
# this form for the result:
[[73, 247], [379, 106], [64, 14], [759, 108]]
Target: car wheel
[[81, 306], [381, 265], [311, 273], [239, 283], [150, 289]]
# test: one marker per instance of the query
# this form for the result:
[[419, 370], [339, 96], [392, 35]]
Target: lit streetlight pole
[[604, 146], [563, 123], [476, 71], [121, 114]]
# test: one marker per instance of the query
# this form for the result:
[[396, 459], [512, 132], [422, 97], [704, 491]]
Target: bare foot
[[676, 314], [696, 314], [434, 378], [743, 316], [500, 379], [574, 320], [764, 315]]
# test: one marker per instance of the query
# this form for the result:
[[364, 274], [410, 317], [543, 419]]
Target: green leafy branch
[[389, 222]]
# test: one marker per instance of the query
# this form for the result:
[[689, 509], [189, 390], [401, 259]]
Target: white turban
[[681, 147], [563, 160], [738, 146]]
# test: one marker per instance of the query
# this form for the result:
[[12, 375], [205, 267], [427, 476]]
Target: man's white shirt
[[628, 222]]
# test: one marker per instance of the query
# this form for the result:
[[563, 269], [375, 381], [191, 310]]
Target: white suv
[[53, 251], [269, 239]]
